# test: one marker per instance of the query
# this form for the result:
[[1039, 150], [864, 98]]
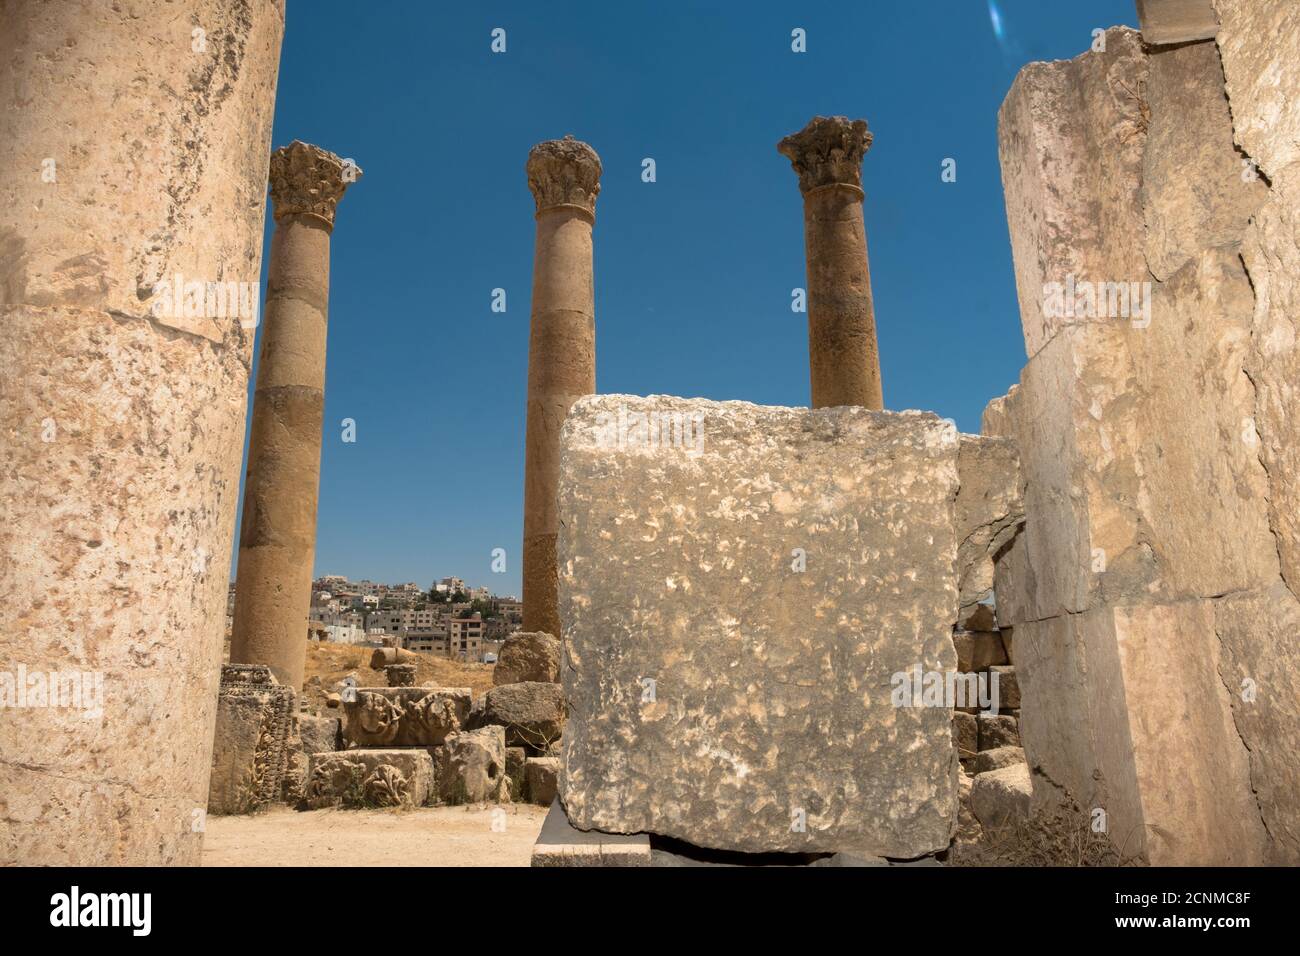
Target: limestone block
[[531, 712], [400, 675], [1260, 668], [1140, 455], [471, 767], [997, 730], [977, 651], [515, 757], [999, 798], [1194, 193], [404, 716], [528, 656], [965, 734], [1176, 21], [989, 510], [559, 844], [1260, 47], [968, 825], [1071, 136], [370, 777], [996, 759], [977, 617], [733, 616], [1124, 709], [249, 754], [1008, 689], [319, 734], [542, 779]]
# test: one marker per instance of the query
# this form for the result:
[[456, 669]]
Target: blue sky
[[693, 272]]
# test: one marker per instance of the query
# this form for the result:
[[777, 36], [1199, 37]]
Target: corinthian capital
[[564, 172], [828, 151], [309, 181]]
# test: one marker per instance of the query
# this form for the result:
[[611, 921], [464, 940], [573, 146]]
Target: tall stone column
[[842, 351], [564, 176], [277, 537], [133, 158]]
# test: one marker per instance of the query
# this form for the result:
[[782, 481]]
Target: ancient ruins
[[834, 635]]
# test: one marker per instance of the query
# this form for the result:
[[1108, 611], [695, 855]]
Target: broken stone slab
[[989, 511], [383, 657], [978, 650], [528, 656], [997, 730], [1176, 21], [542, 779], [370, 777], [320, 734], [404, 716], [748, 606], [996, 759], [1000, 798], [253, 730], [531, 712], [560, 844], [471, 767]]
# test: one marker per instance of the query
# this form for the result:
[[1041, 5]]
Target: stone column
[[842, 351], [277, 537], [133, 158], [564, 176]]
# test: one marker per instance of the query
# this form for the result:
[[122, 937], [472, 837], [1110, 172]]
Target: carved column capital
[[828, 152], [309, 181], [564, 173]]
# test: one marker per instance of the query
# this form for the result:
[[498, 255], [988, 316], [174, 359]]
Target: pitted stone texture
[[1260, 44], [531, 712], [1071, 137], [370, 778], [471, 767], [528, 656], [770, 702], [404, 716], [123, 430]]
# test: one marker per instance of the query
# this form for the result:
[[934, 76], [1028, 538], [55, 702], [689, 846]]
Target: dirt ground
[[429, 836], [327, 664]]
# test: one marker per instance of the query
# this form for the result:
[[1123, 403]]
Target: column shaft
[[133, 159], [277, 536], [564, 176]]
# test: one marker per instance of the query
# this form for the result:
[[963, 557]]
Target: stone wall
[[1147, 592]]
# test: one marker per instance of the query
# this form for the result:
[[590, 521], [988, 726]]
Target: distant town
[[448, 619]]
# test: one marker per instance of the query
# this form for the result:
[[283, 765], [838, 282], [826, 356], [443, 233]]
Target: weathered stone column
[[277, 537], [842, 352], [133, 154], [564, 176]]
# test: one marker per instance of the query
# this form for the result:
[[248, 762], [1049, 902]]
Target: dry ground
[[429, 836], [333, 662]]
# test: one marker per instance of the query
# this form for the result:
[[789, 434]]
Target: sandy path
[[430, 836]]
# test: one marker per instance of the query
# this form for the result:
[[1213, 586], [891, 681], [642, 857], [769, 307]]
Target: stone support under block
[[134, 141], [564, 176], [843, 355], [277, 537]]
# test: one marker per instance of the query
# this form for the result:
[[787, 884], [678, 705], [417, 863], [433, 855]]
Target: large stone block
[[370, 778], [1071, 136], [733, 617], [404, 716], [471, 767], [1176, 21], [250, 750], [989, 510], [528, 656], [531, 712]]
